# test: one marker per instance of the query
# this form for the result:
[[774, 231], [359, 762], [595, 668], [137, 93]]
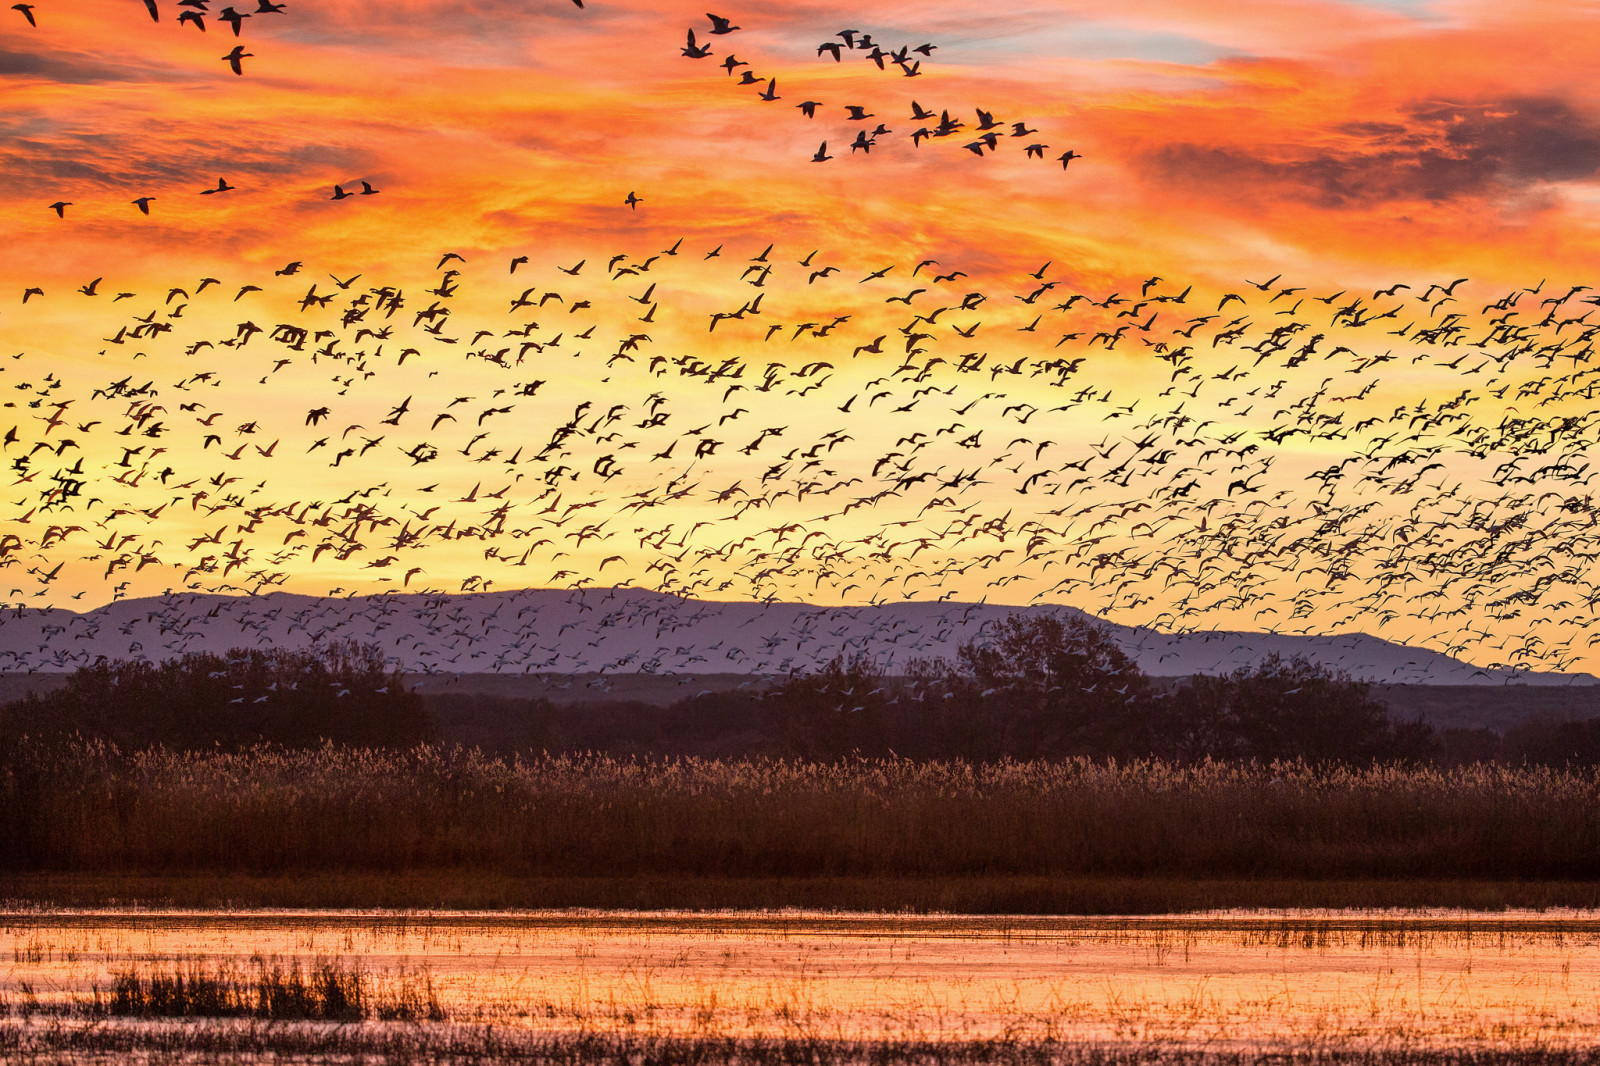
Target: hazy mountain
[[630, 630]]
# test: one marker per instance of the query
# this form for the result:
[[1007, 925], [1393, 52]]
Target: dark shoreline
[[397, 1043], [454, 889]]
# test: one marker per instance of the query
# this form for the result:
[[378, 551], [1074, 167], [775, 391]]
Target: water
[[1231, 980]]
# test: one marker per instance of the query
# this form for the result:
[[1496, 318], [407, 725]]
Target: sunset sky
[[1240, 148]]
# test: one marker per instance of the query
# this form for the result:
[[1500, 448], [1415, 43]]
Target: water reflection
[[1235, 980]]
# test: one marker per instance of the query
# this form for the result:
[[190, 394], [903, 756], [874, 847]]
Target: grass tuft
[[329, 990]]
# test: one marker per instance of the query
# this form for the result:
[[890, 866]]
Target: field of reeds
[[485, 1046], [357, 822], [267, 989]]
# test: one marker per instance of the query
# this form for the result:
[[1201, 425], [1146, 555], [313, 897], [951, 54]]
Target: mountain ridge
[[624, 629]]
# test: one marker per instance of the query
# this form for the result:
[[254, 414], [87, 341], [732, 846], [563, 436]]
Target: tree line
[[1041, 687]]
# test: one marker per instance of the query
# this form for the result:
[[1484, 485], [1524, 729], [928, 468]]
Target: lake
[[1241, 981]]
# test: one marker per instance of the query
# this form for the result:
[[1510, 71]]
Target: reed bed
[[64, 1045], [89, 808], [327, 990]]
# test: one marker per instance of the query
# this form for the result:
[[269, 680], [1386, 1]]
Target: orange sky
[[1339, 146]]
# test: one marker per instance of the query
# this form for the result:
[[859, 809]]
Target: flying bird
[[696, 51], [233, 58]]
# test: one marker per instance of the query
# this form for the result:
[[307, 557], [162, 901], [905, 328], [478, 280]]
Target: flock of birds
[[557, 633], [764, 425], [770, 423], [194, 13], [987, 132], [935, 125]]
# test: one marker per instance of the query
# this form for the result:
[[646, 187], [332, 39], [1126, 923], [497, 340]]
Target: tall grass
[[64, 1045], [329, 990], [90, 808]]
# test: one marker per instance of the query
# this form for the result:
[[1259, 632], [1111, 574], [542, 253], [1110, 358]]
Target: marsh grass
[[326, 990], [489, 1046], [887, 833]]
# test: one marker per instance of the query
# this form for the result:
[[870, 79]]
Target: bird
[[27, 12], [822, 155], [143, 204], [633, 201], [235, 57], [809, 108], [233, 18], [339, 193], [720, 25], [222, 186], [1067, 157], [60, 208], [696, 51], [367, 189]]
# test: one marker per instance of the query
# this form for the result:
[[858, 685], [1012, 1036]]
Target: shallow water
[[1242, 980]]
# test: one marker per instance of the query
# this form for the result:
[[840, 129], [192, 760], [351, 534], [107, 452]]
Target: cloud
[[69, 68], [1431, 151]]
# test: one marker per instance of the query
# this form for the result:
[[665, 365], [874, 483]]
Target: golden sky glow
[[1312, 457]]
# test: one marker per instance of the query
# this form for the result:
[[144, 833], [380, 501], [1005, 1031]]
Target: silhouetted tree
[[1285, 709], [835, 712], [339, 692], [1553, 742], [1055, 685]]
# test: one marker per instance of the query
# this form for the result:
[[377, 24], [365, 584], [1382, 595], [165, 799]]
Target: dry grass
[[486, 1046], [328, 990], [886, 834], [267, 989]]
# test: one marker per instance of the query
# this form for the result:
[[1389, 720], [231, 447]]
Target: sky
[[1336, 460]]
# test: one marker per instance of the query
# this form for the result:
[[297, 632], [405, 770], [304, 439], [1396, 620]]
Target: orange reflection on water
[[1227, 980]]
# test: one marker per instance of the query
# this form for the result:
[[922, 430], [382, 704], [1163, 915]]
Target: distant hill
[[633, 631]]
